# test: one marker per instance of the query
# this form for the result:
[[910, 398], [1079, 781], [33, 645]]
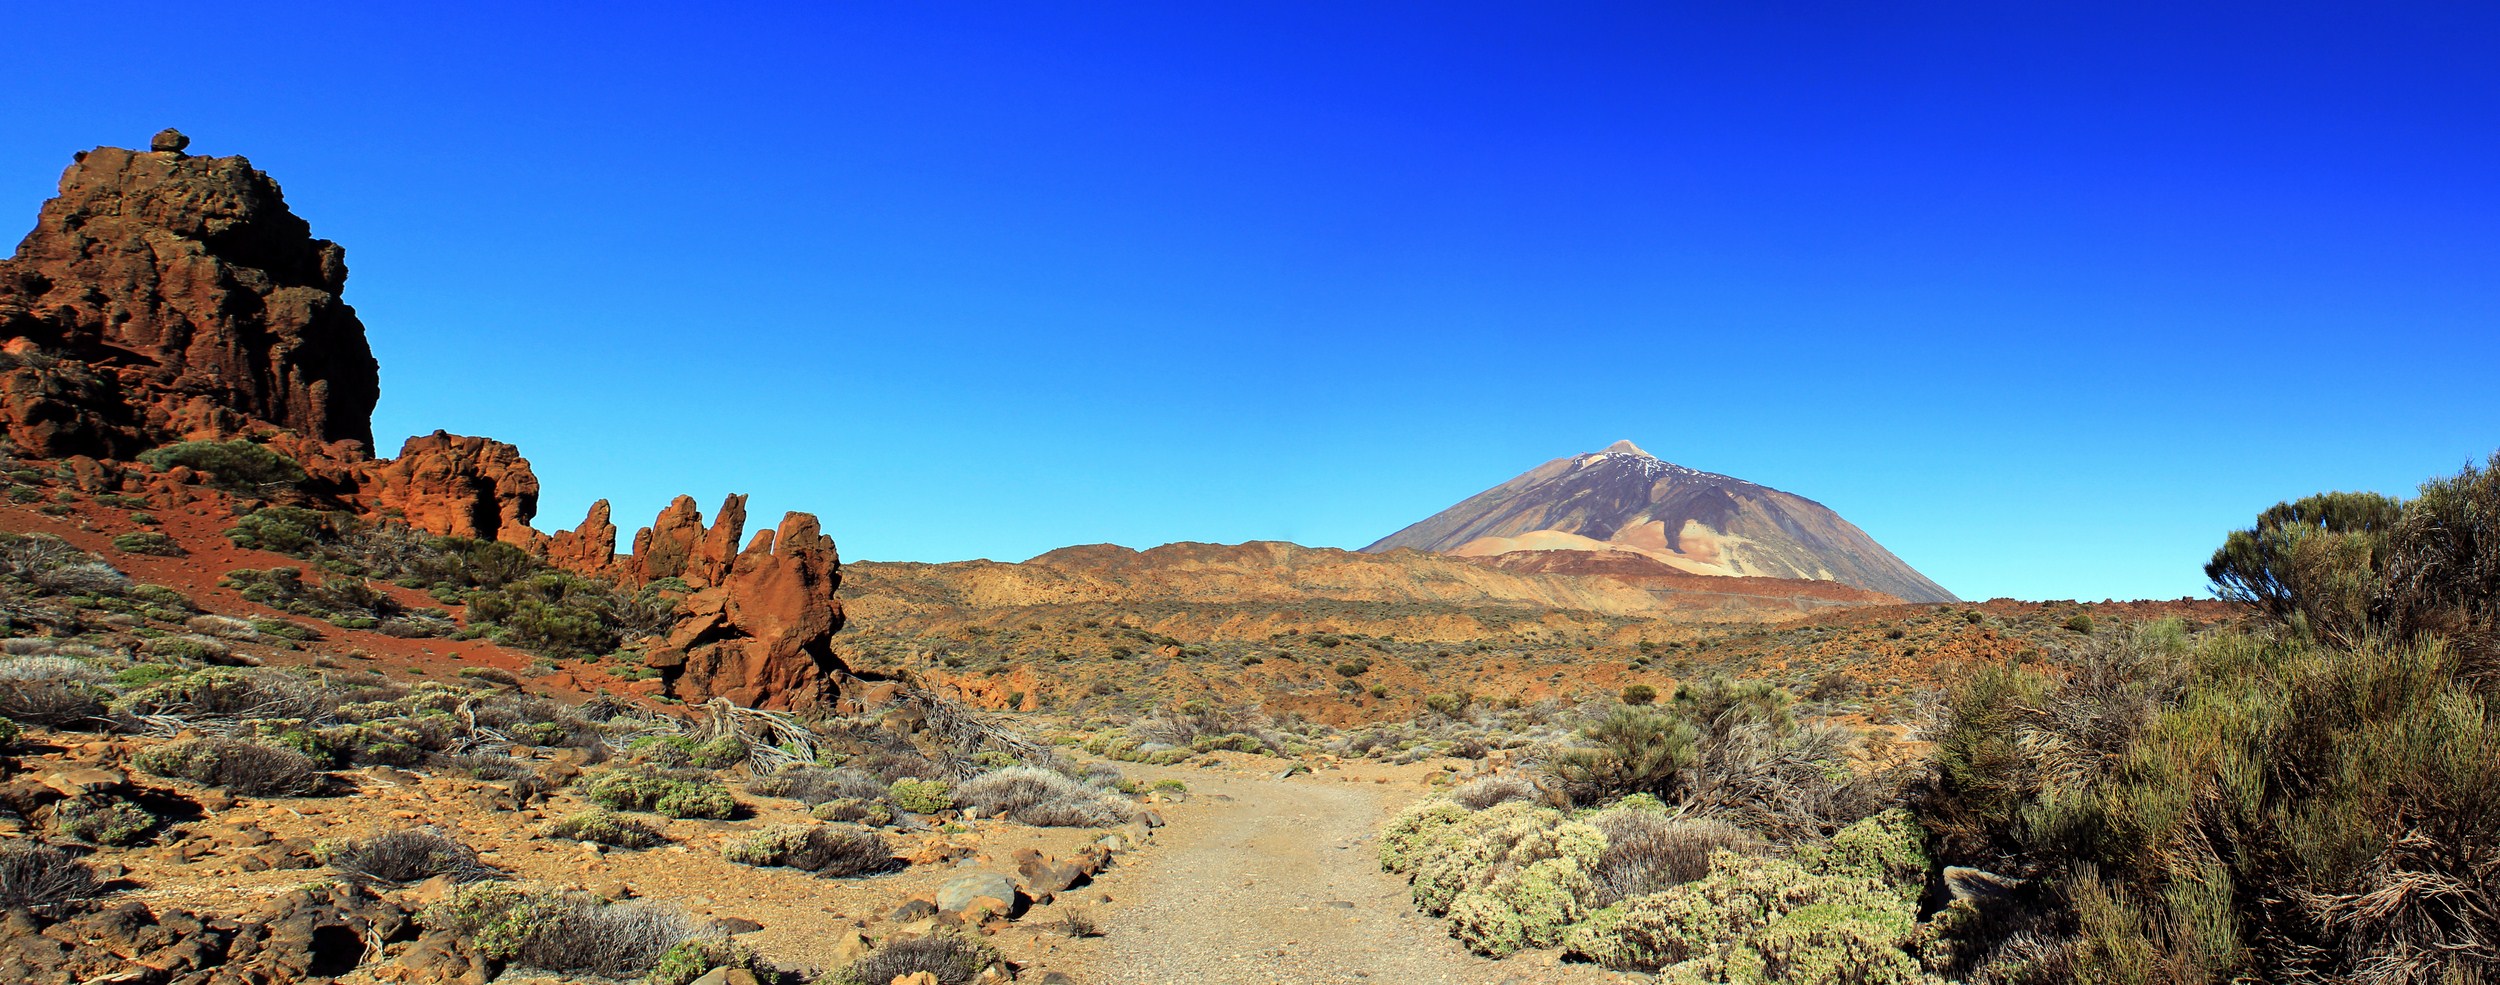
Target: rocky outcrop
[[456, 486], [589, 549], [161, 297], [761, 635], [315, 934]]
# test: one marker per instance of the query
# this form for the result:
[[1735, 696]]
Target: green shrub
[[921, 796], [1639, 694], [110, 821], [237, 465], [1631, 750], [287, 530], [147, 542], [1828, 916], [825, 849], [637, 789], [8, 732], [693, 959], [2079, 623], [607, 828], [558, 931]]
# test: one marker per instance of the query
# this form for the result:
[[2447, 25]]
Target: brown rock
[[82, 782], [168, 141], [457, 486], [161, 297], [661, 549], [762, 637], [589, 549]]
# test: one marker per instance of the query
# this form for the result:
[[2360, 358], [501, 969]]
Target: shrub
[[640, 789], [951, 959], [33, 874], [1639, 694], [1477, 795], [607, 828], [1042, 798], [9, 732], [691, 960], [825, 849], [111, 821], [404, 856], [284, 530], [237, 465], [921, 796], [147, 542], [52, 703], [559, 931], [854, 811], [1823, 918], [1631, 750], [1649, 851], [248, 768], [2079, 623], [814, 785]]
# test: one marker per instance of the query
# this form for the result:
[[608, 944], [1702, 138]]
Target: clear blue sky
[[2044, 296]]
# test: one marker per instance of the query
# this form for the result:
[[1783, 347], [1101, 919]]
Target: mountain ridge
[[1623, 499]]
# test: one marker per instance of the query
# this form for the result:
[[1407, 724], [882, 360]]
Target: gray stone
[[959, 893]]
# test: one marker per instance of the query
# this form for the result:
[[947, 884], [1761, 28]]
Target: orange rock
[[762, 636], [162, 296], [589, 549], [456, 486]]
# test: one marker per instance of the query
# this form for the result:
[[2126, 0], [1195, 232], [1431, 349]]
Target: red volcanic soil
[[1658, 576], [199, 527]]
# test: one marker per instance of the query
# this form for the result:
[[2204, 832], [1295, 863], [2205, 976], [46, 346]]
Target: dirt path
[[1260, 880]]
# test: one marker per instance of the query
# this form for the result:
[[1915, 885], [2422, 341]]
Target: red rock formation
[[762, 636], [456, 486], [163, 297], [589, 549], [661, 549]]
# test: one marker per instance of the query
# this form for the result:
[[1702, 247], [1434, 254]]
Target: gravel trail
[[1260, 880]]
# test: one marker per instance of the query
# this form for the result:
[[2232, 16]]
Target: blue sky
[[2044, 299]]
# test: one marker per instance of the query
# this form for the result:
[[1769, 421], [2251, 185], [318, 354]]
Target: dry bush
[[33, 874], [52, 703], [812, 785], [951, 959], [52, 666], [404, 856], [1476, 795], [1042, 798], [248, 768], [1649, 851], [614, 939]]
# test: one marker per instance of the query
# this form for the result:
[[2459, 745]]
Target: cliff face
[[161, 297], [1623, 499]]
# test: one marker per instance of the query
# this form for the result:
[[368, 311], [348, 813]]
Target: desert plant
[[814, 785], [109, 821], [1648, 851], [951, 959], [690, 960], [1639, 694], [559, 931], [1630, 750], [1476, 795], [243, 767], [36, 875], [147, 542], [404, 856], [825, 849], [633, 788], [1040, 797], [922, 796], [237, 465], [607, 828]]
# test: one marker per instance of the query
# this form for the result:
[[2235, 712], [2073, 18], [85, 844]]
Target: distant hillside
[[1255, 589], [1624, 500]]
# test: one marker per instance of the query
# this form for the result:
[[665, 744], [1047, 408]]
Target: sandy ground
[[1261, 880]]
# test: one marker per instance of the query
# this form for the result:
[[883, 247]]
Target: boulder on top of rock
[[162, 297]]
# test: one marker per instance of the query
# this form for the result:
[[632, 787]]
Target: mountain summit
[[1624, 499]]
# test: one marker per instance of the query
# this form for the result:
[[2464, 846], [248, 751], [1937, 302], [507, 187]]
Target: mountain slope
[[1625, 500]]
